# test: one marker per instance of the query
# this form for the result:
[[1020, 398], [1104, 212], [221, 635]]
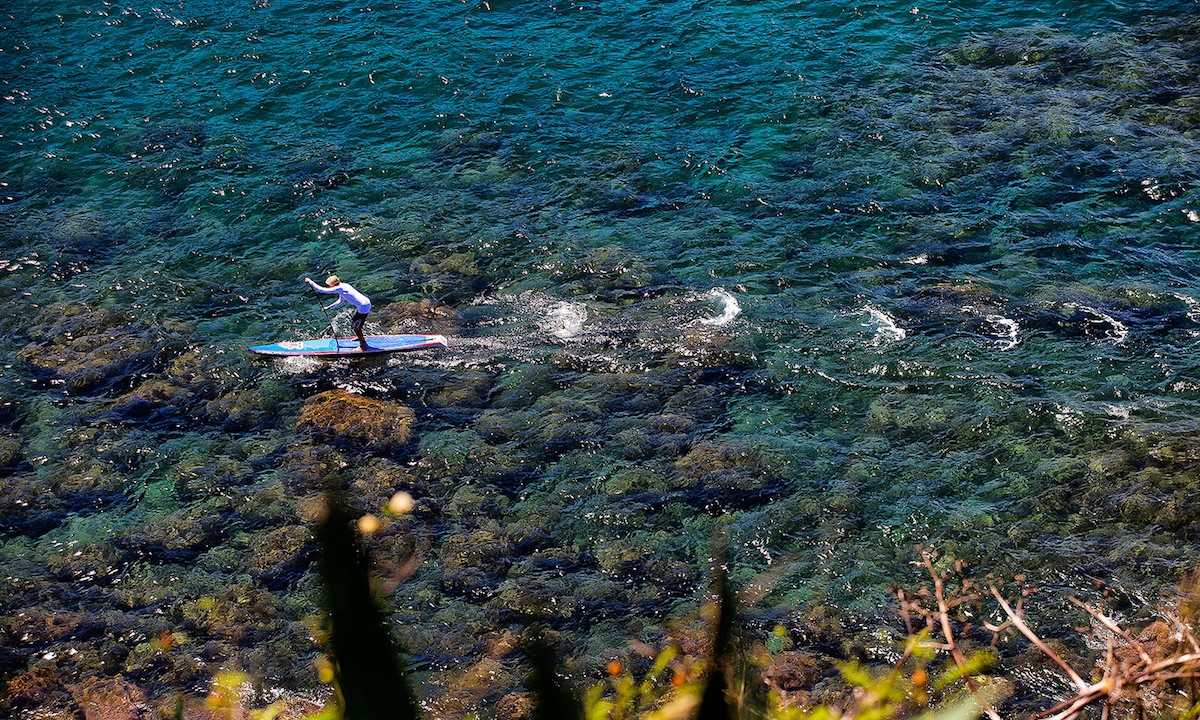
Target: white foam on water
[[1193, 306], [1010, 330], [565, 320], [299, 364], [1121, 412], [886, 329], [922, 259], [730, 308], [1068, 417], [1119, 332]]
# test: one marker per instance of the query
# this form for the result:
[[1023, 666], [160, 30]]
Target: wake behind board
[[348, 346]]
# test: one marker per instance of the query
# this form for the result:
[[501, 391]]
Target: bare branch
[[1020, 625], [1069, 707], [1165, 664], [1108, 623], [959, 660], [1183, 630]]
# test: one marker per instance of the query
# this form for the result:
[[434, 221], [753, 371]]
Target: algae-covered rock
[[515, 706], [92, 349], [93, 563], [35, 628], [28, 507], [109, 699], [606, 271], [475, 559], [83, 481], [43, 689], [448, 455], [247, 408], [178, 536], [467, 389], [720, 474], [340, 416], [421, 316], [521, 385], [269, 504], [242, 613], [200, 475], [278, 556], [305, 465], [793, 671], [500, 426], [149, 399], [377, 480], [474, 500]]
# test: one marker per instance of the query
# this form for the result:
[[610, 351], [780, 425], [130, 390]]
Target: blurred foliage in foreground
[[944, 670]]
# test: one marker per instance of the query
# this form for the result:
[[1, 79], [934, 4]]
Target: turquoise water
[[839, 279]]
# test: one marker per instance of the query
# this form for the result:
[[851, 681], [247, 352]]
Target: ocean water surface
[[833, 279]]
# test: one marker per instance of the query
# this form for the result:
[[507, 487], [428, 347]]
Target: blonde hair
[[332, 280]]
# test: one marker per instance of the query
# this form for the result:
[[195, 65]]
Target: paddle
[[332, 330]]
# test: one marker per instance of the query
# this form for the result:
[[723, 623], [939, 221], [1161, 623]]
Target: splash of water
[[886, 329], [730, 308], [565, 320], [1010, 330]]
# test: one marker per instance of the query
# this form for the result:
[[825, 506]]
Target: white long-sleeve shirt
[[345, 293]]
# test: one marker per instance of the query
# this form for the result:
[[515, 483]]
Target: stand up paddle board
[[348, 346]]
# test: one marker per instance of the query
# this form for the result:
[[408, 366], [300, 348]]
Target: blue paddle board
[[348, 346]]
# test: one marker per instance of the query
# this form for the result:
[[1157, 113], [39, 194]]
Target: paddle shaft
[[332, 330]]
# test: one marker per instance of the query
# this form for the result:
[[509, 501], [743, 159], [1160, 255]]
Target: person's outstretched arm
[[325, 290]]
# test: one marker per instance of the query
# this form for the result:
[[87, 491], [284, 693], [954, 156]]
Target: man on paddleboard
[[346, 293]]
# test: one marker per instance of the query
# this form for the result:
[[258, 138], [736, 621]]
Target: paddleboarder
[[346, 293]]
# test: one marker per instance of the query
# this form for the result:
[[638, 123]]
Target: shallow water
[[837, 278]]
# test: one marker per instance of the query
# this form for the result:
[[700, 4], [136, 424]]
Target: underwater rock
[[35, 628], [305, 466], [10, 451], [422, 317], [242, 613], [152, 401], [463, 389], [178, 537], [28, 507], [90, 350], [278, 556], [533, 598], [605, 270], [203, 475], [377, 480], [448, 455], [247, 408], [949, 307], [109, 699], [566, 423], [85, 482], [86, 564], [520, 386], [340, 416], [514, 706], [720, 474], [500, 426], [43, 689], [475, 560], [793, 671]]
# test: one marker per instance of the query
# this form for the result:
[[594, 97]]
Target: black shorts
[[357, 323]]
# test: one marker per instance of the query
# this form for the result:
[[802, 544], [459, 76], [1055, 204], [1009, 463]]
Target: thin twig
[[1114, 627], [1020, 625], [1164, 664], [1073, 705], [959, 660], [1183, 630]]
